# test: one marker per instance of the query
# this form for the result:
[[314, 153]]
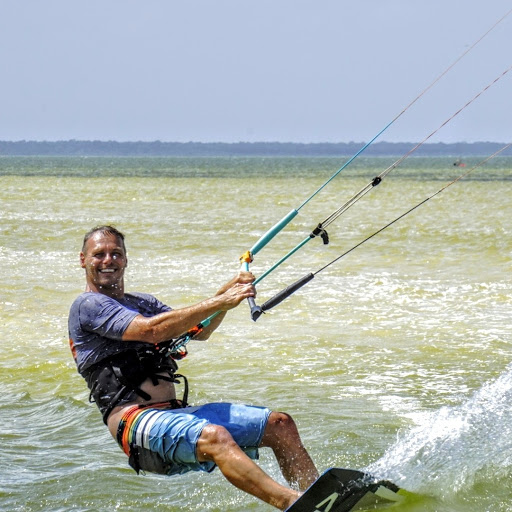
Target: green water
[[395, 358]]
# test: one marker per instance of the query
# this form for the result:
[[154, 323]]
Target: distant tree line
[[211, 149]]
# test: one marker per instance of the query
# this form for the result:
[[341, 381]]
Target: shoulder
[[100, 314], [86, 306], [92, 306]]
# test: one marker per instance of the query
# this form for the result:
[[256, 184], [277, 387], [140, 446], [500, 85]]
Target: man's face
[[104, 261]]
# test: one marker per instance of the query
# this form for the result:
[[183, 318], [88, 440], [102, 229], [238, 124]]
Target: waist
[[132, 418]]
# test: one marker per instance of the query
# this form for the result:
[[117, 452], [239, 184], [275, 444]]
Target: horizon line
[[234, 142]]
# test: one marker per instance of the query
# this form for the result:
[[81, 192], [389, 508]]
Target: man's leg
[[282, 436], [216, 444]]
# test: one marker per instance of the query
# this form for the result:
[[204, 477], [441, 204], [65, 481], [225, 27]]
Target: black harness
[[117, 379]]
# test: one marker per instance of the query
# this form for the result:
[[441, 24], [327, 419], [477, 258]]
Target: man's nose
[[107, 258]]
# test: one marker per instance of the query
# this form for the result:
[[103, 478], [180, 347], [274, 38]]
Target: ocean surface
[[395, 359]]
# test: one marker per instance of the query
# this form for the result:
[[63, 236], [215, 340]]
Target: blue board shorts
[[160, 439]]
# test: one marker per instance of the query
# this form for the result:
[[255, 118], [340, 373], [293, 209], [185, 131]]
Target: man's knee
[[281, 420], [214, 439], [280, 428]]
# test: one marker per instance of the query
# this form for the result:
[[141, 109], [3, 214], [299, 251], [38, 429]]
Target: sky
[[265, 70]]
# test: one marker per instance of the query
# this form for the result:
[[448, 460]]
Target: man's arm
[[171, 324]]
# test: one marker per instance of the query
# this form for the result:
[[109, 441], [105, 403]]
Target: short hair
[[105, 230]]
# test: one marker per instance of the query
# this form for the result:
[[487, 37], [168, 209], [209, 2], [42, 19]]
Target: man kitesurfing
[[122, 342], [117, 338]]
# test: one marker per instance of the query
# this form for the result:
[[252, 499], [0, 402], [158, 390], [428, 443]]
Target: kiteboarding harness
[[117, 379]]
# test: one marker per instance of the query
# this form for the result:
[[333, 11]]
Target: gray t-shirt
[[97, 324]]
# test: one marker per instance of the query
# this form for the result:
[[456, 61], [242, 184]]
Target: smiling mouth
[[107, 270]]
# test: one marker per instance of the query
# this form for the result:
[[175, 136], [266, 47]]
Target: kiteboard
[[345, 490]]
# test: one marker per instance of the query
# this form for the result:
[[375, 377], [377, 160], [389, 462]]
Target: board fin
[[346, 490]]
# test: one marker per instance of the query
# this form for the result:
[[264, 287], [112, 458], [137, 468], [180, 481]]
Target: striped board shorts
[[160, 439]]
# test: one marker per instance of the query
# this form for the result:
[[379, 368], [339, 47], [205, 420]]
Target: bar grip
[[284, 294], [256, 310]]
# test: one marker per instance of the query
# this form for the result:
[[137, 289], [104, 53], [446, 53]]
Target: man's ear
[[82, 260]]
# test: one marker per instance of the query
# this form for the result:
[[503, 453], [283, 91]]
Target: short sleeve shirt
[[97, 324]]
